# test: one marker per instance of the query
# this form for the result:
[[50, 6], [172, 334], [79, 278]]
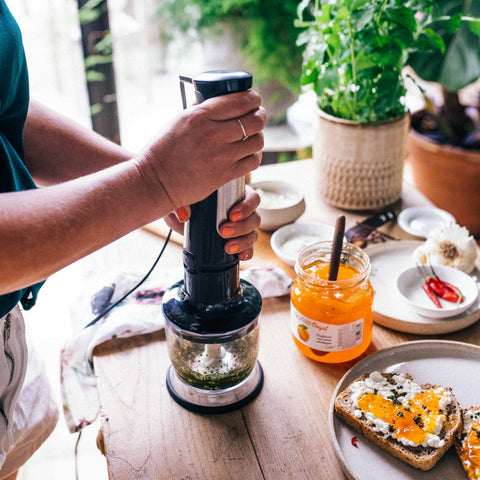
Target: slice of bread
[[418, 456], [467, 443]]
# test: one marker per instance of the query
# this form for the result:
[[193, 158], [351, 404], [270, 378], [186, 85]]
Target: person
[[66, 192]]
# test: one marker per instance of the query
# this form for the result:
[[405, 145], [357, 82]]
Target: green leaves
[[430, 40], [474, 26], [453, 23], [355, 50], [400, 16], [350, 51], [458, 65], [361, 18], [90, 11]]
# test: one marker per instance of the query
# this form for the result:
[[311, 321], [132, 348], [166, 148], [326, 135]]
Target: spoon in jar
[[336, 248]]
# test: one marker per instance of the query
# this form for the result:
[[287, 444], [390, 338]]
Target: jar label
[[325, 336]]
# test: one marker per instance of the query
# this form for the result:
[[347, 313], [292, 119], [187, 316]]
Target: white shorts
[[28, 412]]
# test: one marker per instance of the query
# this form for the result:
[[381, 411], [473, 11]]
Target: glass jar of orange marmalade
[[332, 321]]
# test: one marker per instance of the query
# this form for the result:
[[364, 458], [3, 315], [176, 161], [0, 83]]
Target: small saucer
[[409, 284], [420, 221]]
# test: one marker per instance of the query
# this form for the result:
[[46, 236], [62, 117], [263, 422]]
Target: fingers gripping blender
[[211, 316]]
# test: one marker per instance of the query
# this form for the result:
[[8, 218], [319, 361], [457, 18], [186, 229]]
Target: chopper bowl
[[212, 362]]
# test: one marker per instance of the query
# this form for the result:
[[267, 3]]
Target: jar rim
[[357, 258]]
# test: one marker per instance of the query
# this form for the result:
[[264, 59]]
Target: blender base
[[215, 401]]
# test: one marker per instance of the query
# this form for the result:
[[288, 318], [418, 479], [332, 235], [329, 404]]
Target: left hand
[[241, 229]]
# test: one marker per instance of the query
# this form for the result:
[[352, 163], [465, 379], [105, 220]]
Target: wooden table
[[283, 434]]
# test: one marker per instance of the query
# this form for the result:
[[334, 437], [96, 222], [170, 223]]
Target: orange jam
[[331, 321], [470, 451], [412, 422]]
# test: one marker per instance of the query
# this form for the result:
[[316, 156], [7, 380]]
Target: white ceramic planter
[[360, 165]]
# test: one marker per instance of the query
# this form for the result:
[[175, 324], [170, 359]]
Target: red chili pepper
[[428, 289], [455, 290], [354, 441], [454, 294], [441, 290], [431, 294]]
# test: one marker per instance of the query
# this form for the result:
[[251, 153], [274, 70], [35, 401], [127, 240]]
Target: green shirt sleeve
[[14, 98]]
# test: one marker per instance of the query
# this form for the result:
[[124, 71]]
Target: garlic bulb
[[451, 245]]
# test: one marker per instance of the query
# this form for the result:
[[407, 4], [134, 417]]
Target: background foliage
[[265, 29]]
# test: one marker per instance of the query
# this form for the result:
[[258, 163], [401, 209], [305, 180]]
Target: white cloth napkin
[[138, 314]]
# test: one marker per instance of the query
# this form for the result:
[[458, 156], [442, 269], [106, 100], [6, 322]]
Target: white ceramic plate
[[420, 221], [287, 241], [409, 284], [446, 363], [389, 260]]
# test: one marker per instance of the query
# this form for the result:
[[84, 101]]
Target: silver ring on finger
[[245, 136]]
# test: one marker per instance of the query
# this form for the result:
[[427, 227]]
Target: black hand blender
[[211, 316]]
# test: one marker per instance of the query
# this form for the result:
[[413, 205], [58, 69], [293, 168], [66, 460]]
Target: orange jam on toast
[[470, 451], [414, 421]]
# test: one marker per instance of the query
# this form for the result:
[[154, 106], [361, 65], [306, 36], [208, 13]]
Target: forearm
[[58, 149], [43, 230]]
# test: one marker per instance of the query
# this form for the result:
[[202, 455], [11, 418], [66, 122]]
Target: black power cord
[[113, 305], [109, 309]]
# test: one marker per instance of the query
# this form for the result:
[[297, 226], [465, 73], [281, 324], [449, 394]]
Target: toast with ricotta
[[415, 423], [467, 443]]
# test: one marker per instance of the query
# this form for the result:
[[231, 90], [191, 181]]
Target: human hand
[[203, 149], [240, 230]]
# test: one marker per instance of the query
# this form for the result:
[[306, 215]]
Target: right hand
[[240, 230], [203, 148]]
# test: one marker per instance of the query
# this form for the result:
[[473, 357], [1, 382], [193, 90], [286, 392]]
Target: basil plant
[[354, 51]]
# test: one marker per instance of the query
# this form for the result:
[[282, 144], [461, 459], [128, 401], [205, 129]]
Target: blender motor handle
[[208, 85], [211, 276], [212, 84]]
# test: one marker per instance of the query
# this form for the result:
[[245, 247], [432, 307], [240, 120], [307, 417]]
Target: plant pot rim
[[436, 147], [352, 123]]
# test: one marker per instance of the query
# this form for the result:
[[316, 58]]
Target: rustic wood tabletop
[[284, 433]]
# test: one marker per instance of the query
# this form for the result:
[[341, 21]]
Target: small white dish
[[281, 203], [287, 241], [409, 284], [420, 221], [389, 260]]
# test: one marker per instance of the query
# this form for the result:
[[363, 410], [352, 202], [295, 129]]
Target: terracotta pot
[[449, 177], [361, 165]]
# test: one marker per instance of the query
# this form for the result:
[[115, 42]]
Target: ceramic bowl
[[409, 284], [287, 241], [281, 203], [420, 221]]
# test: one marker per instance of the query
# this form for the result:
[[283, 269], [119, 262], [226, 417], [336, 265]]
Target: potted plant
[[258, 36], [444, 141], [355, 52]]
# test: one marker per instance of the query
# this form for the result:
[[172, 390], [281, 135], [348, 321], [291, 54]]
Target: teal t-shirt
[[14, 99]]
